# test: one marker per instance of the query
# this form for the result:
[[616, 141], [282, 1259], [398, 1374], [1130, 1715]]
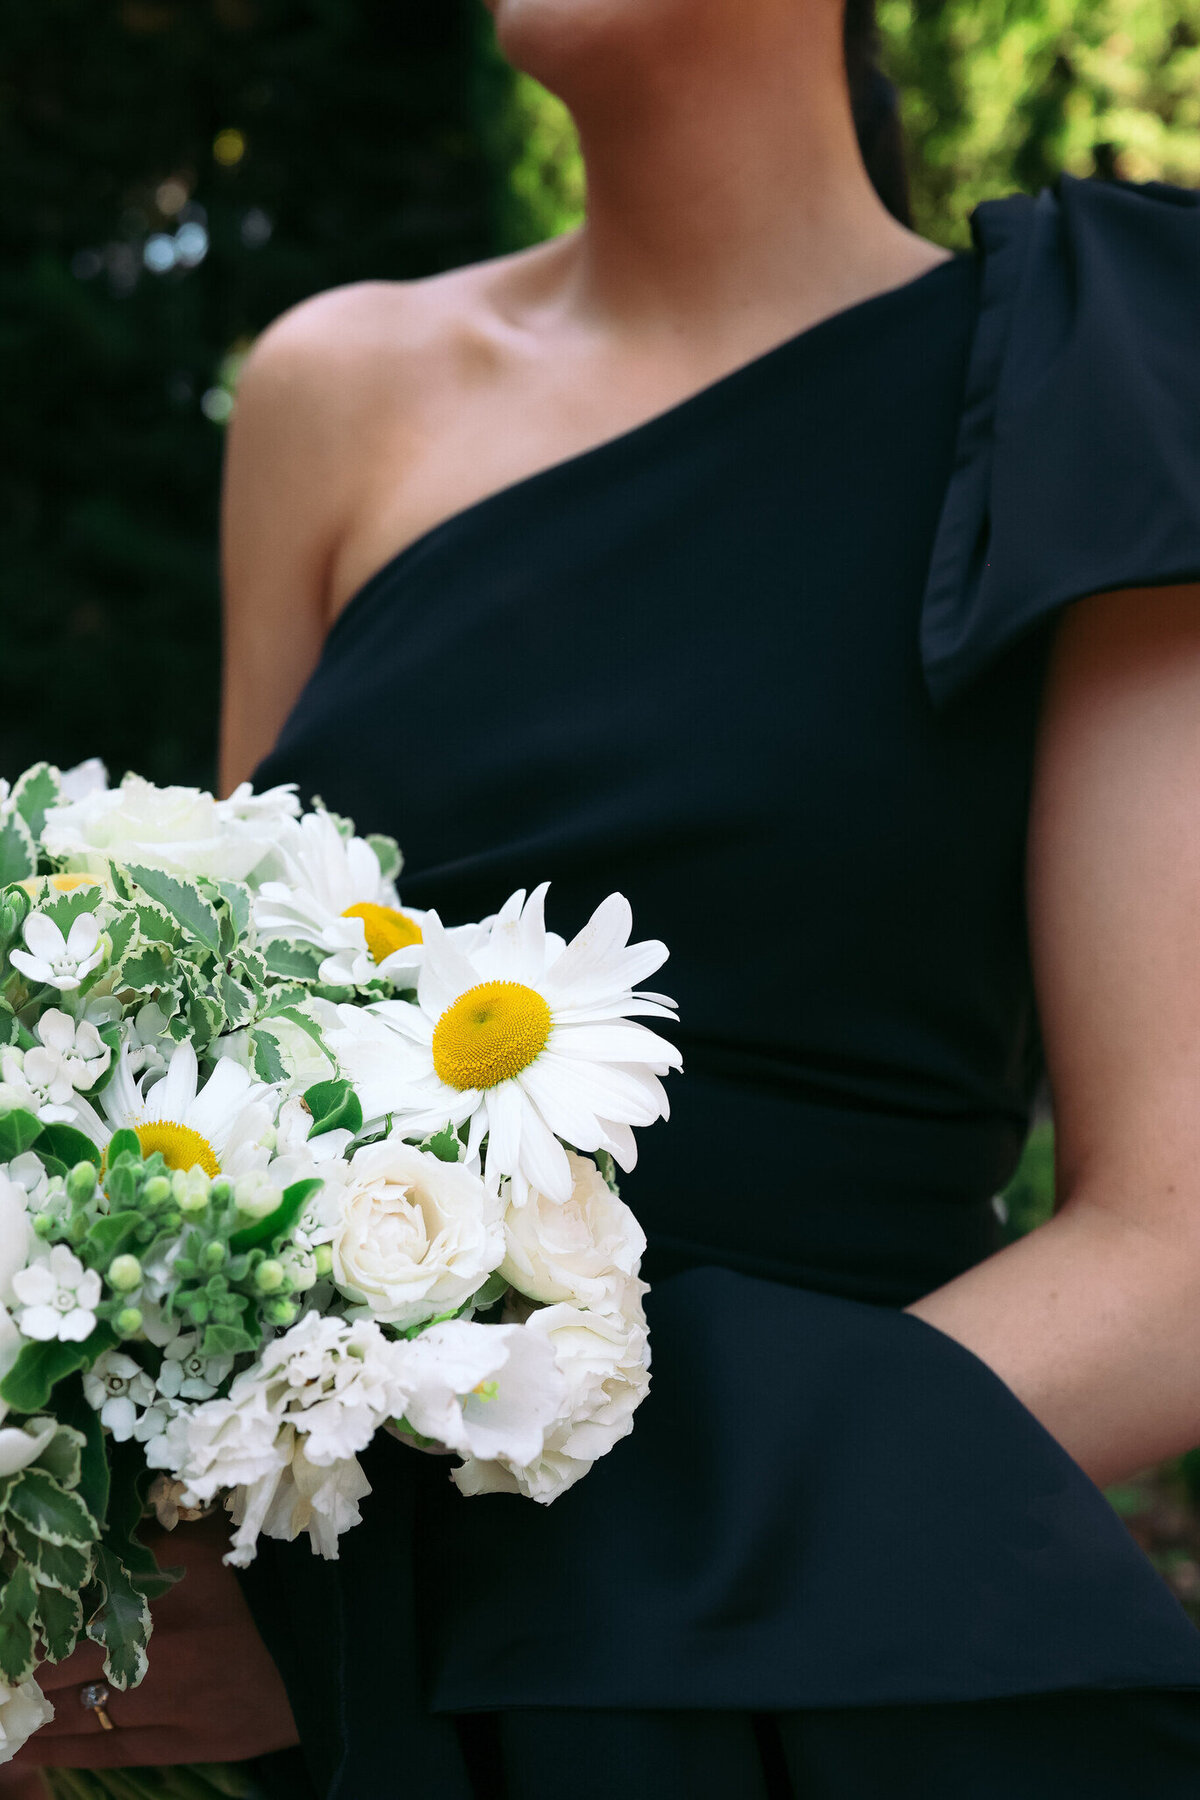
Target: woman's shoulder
[[1077, 462]]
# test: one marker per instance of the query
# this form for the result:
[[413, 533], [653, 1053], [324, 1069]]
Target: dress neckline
[[763, 363]]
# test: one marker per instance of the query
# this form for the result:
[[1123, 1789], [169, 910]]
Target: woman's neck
[[726, 192]]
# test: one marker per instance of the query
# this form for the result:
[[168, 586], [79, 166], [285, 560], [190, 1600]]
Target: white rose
[[416, 1236], [179, 829], [586, 1249], [605, 1360], [23, 1710]]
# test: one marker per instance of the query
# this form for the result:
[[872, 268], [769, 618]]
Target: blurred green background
[[177, 172]]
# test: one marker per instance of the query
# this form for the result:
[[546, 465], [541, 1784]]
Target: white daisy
[[530, 1043], [334, 895], [225, 1126]]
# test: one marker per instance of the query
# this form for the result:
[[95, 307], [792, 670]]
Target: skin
[[729, 209]]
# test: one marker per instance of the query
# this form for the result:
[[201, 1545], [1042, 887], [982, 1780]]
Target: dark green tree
[[177, 173]]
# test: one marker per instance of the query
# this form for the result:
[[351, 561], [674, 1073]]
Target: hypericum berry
[[124, 1274], [81, 1182]]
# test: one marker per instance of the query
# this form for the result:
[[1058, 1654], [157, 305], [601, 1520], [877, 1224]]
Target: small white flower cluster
[[284, 1163]]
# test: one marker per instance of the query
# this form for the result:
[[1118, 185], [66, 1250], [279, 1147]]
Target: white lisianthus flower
[[415, 1236], [23, 1710], [484, 1391], [333, 894], [17, 1241], [531, 1044], [179, 829], [56, 1295], [57, 961], [586, 1250], [119, 1389], [224, 1125], [605, 1360], [186, 1374]]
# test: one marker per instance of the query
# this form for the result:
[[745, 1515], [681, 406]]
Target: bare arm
[[1094, 1319], [299, 444]]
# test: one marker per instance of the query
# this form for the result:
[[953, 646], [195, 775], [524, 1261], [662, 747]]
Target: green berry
[[324, 1258], [128, 1322], [213, 1256], [81, 1182], [157, 1191], [124, 1274], [279, 1312], [269, 1276]]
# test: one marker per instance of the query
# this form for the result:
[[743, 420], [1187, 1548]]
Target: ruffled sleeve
[[1077, 463]]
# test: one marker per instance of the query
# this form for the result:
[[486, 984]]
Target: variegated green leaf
[[18, 1599], [60, 1616], [18, 853], [184, 901], [121, 1623], [50, 1511], [35, 792]]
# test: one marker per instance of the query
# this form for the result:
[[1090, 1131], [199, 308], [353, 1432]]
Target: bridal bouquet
[[282, 1164]]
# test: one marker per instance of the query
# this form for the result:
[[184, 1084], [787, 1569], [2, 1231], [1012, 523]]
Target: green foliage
[[313, 144], [1029, 1196], [1002, 94]]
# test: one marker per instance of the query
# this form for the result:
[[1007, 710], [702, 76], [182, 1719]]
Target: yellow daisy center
[[490, 1034], [179, 1146], [386, 929], [59, 884]]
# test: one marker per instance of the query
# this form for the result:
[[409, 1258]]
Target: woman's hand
[[212, 1693]]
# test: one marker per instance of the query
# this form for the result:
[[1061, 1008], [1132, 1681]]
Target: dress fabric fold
[[708, 663], [1077, 466]]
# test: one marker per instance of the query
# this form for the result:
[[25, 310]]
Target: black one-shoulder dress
[[770, 664]]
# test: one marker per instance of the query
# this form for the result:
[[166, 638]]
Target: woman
[[836, 598]]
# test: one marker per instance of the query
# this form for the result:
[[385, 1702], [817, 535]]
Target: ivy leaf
[[18, 853], [265, 1055], [293, 961], [72, 1409], [39, 1366], [155, 923], [148, 969], [334, 1106], [63, 1455], [18, 1601], [184, 901], [60, 1616], [387, 854], [50, 1511], [64, 1566], [121, 1623], [37, 790], [446, 1144], [121, 933], [236, 1001]]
